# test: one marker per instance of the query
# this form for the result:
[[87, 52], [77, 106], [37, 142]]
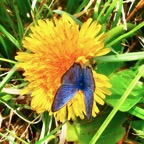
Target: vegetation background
[[121, 120]]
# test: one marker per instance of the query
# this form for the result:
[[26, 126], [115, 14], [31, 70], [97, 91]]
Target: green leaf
[[108, 68], [137, 111], [120, 81], [118, 105], [83, 131]]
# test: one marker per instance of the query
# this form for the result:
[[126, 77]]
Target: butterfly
[[76, 78]]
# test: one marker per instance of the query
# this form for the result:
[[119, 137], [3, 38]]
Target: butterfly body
[[75, 79]]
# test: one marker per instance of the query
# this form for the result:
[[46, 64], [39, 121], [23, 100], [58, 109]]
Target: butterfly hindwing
[[88, 78], [68, 87], [88, 90], [88, 98]]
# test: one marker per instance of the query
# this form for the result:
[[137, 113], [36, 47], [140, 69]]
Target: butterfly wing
[[88, 90], [63, 96], [68, 88], [72, 75]]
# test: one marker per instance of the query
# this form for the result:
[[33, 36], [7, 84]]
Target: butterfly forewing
[[72, 75], [63, 96], [68, 88]]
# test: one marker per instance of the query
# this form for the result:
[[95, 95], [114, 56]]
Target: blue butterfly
[[75, 79]]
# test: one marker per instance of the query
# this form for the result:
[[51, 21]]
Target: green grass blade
[[51, 133], [126, 35], [72, 6], [121, 57], [11, 133], [7, 138], [109, 11], [45, 124], [10, 37], [83, 4], [118, 14], [4, 45], [19, 22], [116, 32], [7, 78], [5, 18], [8, 60], [102, 11], [96, 10]]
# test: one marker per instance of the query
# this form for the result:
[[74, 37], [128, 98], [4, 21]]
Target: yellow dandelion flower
[[54, 46]]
